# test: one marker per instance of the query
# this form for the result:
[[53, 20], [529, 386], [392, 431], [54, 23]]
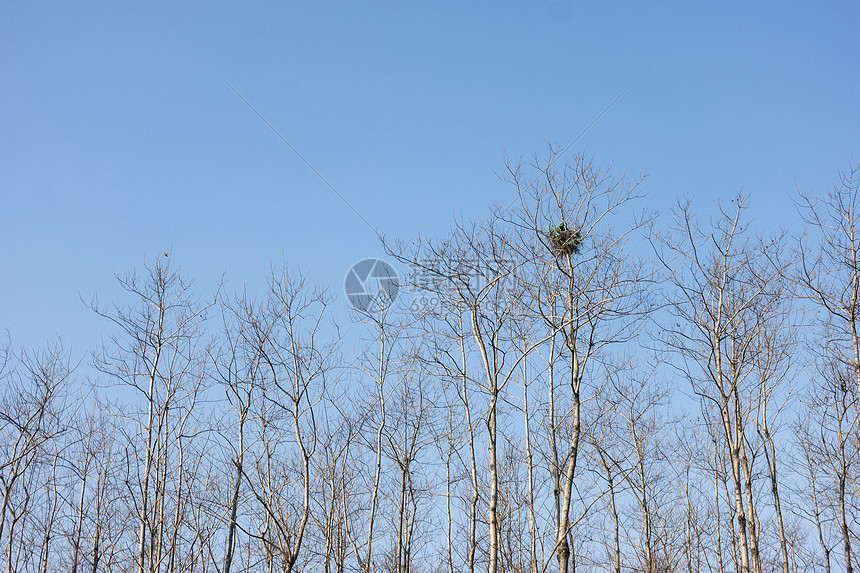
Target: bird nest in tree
[[564, 240]]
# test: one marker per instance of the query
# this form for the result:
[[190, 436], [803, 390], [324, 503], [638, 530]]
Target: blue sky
[[120, 140]]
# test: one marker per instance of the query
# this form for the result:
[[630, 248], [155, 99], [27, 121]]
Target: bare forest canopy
[[593, 388]]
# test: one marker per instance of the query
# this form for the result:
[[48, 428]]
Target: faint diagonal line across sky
[[596, 119], [348, 204], [306, 162], [577, 138]]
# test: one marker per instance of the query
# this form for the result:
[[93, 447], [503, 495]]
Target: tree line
[[593, 388]]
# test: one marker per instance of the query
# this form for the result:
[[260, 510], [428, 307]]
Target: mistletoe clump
[[564, 240]]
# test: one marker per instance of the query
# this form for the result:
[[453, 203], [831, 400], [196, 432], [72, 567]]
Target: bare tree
[[584, 289], [726, 300], [829, 438], [816, 512], [714, 333], [635, 398], [448, 360], [472, 273], [378, 367], [157, 354], [240, 369], [31, 425], [332, 495], [297, 358], [99, 517], [829, 270], [773, 365]]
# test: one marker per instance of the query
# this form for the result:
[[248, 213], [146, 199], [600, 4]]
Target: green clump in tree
[[564, 240]]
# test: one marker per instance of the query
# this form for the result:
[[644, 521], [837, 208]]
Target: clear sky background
[[120, 140]]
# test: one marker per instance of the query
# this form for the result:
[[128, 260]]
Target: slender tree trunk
[[816, 512], [96, 545], [555, 465], [717, 466], [562, 532], [147, 463], [530, 476], [843, 522], [368, 562], [97, 537], [306, 483], [494, 486], [642, 497], [734, 453], [613, 511], [401, 522], [7, 492], [79, 525], [159, 503], [492, 386], [49, 526], [688, 526], [752, 522], [473, 470], [448, 519], [770, 455], [234, 501], [852, 318], [177, 515], [743, 538]]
